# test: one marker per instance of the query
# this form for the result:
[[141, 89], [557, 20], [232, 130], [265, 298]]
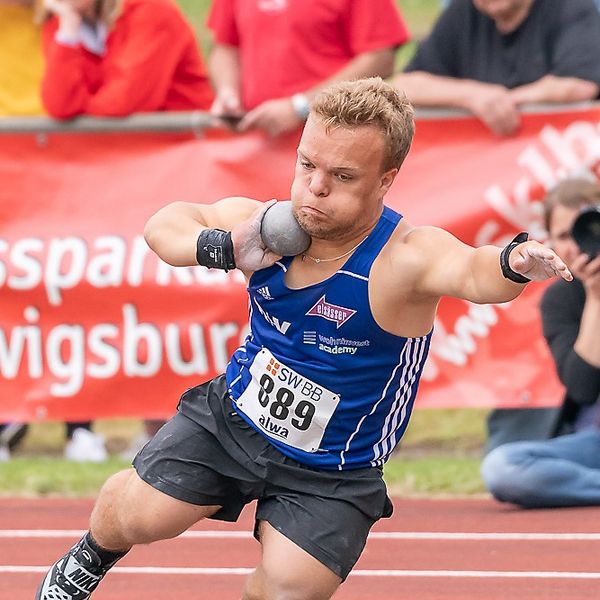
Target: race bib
[[285, 405]]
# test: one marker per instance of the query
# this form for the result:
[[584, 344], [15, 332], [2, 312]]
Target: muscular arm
[[172, 232], [451, 268]]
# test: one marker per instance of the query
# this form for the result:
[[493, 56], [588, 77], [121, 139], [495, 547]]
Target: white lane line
[[357, 573], [431, 535], [378, 535], [75, 533]]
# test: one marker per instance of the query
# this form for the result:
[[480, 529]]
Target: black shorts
[[208, 455]]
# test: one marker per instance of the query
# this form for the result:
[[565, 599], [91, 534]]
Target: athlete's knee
[[254, 590], [148, 515], [138, 526], [144, 513], [121, 509], [281, 584], [274, 589], [108, 504], [115, 485]]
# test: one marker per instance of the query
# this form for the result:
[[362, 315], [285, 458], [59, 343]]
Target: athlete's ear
[[387, 179]]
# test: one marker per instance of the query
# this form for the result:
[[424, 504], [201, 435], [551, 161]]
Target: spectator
[[82, 444], [564, 471], [491, 57], [271, 56], [21, 61], [117, 57]]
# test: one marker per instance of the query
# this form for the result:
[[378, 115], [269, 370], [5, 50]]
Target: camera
[[586, 230]]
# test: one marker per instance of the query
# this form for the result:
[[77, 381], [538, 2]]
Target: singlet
[[316, 374]]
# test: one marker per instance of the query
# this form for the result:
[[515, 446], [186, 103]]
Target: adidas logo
[[265, 293]]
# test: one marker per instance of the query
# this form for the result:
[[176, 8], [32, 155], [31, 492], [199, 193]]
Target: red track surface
[[550, 563]]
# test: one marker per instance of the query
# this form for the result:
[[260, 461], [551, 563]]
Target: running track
[[429, 550]]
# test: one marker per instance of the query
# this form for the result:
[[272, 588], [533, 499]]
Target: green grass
[[433, 475], [419, 15], [454, 430], [439, 455], [44, 476]]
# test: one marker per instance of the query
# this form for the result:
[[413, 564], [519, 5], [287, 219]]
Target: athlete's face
[[339, 184]]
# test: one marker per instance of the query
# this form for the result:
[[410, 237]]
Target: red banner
[[93, 325]]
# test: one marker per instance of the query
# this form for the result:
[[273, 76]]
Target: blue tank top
[[316, 374]]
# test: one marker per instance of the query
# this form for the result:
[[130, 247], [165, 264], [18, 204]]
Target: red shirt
[[151, 62], [289, 46]]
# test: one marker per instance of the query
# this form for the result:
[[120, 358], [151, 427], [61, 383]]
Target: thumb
[[520, 259]]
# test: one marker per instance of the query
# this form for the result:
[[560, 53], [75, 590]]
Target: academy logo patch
[[332, 312]]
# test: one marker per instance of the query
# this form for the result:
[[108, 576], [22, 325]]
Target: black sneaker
[[75, 576]]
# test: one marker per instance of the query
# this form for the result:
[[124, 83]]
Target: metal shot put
[[281, 232]]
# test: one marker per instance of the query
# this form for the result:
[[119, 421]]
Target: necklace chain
[[305, 255]]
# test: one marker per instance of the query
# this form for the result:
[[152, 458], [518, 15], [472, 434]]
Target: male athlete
[[319, 394]]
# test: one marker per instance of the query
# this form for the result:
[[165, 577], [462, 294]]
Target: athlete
[[319, 394]]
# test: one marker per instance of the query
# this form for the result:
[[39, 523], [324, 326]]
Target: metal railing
[[196, 121], [193, 121]]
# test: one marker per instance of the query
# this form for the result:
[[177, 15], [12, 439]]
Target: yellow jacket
[[21, 62]]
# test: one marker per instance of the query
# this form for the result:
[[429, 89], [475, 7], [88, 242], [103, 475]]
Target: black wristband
[[505, 266], [214, 249]]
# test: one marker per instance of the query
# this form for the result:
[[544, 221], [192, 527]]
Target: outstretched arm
[[452, 268]]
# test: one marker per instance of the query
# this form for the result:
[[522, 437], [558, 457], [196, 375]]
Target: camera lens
[[586, 230]]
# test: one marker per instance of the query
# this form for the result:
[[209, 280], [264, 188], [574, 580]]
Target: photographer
[[565, 470]]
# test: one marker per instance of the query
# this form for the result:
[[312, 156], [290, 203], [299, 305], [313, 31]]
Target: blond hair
[[366, 102], [575, 192], [106, 11]]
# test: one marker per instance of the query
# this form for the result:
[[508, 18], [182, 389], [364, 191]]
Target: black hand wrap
[[505, 266], [214, 249]]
